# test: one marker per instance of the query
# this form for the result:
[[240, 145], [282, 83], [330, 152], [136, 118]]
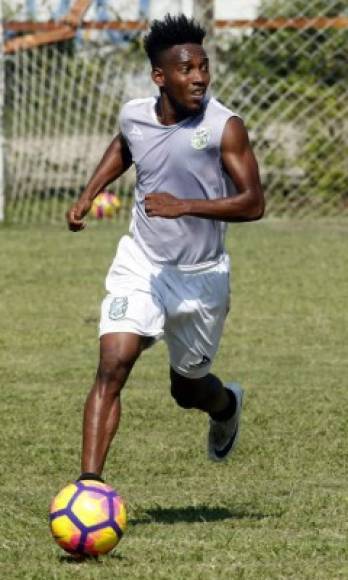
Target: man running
[[195, 171]]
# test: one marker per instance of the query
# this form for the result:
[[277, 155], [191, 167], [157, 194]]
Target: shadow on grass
[[71, 560], [193, 514]]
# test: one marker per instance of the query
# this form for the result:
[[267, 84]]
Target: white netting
[[290, 85], [62, 114]]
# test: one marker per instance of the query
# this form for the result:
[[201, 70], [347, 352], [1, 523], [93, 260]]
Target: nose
[[199, 77]]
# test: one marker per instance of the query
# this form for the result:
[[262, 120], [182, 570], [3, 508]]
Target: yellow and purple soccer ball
[[87, 518], [105, 205]]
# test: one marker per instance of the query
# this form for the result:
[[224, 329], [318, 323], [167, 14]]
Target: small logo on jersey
[[136, 133], [201, 138], [205, 360], [118, 308]]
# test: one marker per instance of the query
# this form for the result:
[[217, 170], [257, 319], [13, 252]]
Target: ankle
[[90, 476], [228, 411]]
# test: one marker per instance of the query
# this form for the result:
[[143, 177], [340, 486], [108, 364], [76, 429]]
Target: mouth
[[198, 93], [197, 96]]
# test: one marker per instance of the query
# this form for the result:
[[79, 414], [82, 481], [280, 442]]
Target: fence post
[[204, 12], [2, 104]]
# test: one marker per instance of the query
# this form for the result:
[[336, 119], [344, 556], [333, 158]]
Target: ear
[[157, 76]]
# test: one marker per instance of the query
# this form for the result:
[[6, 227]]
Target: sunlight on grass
[[278, 509]]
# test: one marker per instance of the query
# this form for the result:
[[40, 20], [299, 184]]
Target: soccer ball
[[105, 205], [87, 518]]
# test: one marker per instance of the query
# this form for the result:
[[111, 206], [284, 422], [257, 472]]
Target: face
[[183, 76]]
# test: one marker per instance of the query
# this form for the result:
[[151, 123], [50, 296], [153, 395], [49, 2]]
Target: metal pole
[[204, 12], [2, 103]]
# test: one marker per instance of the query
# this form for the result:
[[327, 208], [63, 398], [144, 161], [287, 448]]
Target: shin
[[118, 353], [206, 394]]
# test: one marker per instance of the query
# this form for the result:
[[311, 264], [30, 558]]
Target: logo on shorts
[[201, 138], [205, 360], [118, 307]]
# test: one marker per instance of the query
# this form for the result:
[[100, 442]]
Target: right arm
[[115, 161]]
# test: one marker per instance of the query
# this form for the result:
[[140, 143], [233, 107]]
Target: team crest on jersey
[[118, 307], [201, 138]]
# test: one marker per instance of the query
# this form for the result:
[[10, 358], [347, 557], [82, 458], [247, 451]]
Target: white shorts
[[186, 306]]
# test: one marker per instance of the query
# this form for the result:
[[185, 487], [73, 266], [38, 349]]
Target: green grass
[[278, 509]]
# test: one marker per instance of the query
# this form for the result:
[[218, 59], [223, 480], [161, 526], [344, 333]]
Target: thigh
[[132, 311], [120, 349], [194, 328]]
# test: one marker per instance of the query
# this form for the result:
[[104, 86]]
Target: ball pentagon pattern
[[87, 518]]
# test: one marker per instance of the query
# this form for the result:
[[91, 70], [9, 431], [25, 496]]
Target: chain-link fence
[[290, 84], [285, 73]]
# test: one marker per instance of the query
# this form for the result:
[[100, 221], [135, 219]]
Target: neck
[[169, 113]]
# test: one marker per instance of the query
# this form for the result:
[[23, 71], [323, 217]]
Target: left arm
[[240, 163]]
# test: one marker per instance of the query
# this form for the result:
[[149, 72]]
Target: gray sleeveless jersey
[[184, 160]]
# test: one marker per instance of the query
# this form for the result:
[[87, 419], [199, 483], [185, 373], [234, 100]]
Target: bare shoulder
[[235, 135]]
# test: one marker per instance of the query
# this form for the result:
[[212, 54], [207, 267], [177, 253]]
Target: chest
[[154, 147]]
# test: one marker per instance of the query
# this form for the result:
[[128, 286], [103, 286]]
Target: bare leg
[[118, 353]]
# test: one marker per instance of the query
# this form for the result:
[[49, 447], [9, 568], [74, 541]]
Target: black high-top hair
[[170, 31]]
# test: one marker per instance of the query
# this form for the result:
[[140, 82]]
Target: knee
[[183, 391], [182, 397], [113, 372]]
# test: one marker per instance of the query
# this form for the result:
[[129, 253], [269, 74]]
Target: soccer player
[[195, 171]]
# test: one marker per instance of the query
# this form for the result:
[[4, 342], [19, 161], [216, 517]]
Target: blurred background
[[68, 65]]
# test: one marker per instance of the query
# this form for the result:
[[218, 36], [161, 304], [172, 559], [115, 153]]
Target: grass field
[[278, 509]]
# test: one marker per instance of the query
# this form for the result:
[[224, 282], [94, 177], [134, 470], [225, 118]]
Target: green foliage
[[302, 8], [59, 82], [293, 77]]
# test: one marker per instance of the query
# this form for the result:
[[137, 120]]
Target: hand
[[75, 215], [163, 204]]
